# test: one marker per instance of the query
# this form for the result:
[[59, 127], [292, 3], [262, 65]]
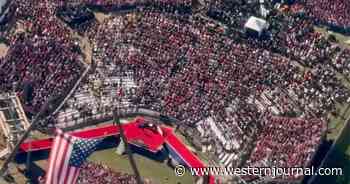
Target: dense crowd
[[42, 61], [286, 142], [183, 6], [183, 71], [99, 173], [342, 63], [193, 47], [131, 2], [335, 12], [39, 69], [232, 13], [185, 67]]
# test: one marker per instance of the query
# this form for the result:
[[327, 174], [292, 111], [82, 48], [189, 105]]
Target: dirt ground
[[2, 140], [101, 16], [86, 47], [3, 50], [18, 177]]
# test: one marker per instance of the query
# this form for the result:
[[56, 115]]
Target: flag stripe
[[62, 159], [72, 172], [64, 143], [52, 160], [56, 161], [67, 155], [66, 168], [76, 174], [58, 158]]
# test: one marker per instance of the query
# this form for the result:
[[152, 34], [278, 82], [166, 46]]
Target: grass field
[[158, 172], [341, 155], [337, 123], [342, 39], [341, 159]]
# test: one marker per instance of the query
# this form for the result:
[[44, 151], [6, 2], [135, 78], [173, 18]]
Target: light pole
[[116, 119]]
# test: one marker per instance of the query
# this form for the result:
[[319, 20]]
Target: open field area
[[337, 122], [342, 39], [18, 178], [158, 172]]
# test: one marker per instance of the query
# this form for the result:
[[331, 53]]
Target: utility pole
[[127, 148]]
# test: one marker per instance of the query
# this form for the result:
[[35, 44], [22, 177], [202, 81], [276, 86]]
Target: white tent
[[256, 24]]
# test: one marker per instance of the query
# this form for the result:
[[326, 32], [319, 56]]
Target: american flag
[[67, 155]]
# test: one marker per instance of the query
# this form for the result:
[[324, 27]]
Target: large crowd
[[91, 172], [41, 62], [131, 2], [232, 13], [186, 67], [334, 12], [182, 70], [323, 12], [99, 173], [286, 142], [183, 6]]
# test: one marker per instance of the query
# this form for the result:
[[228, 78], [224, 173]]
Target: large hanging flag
[[67, 155]]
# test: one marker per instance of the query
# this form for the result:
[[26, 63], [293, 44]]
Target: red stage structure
[[150, 140]]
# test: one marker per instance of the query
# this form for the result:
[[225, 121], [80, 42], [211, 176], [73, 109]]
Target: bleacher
[[96, 97]]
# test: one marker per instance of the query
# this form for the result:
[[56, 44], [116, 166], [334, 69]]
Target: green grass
[[158, 172], [343, 79], [342, 39], [337, 123], [343, 112], [341, 156], [36, 135], [129, 119]]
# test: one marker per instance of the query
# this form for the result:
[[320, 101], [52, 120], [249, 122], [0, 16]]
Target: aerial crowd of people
[[332, 12], [41, 62], [190, 68], [100, 173], [286, 142], [183, 71], [91, 172], [183, 6]]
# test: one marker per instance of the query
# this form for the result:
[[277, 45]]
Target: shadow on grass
[[338, 159]]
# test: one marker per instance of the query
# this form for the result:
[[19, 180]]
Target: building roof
[[256, 24]]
